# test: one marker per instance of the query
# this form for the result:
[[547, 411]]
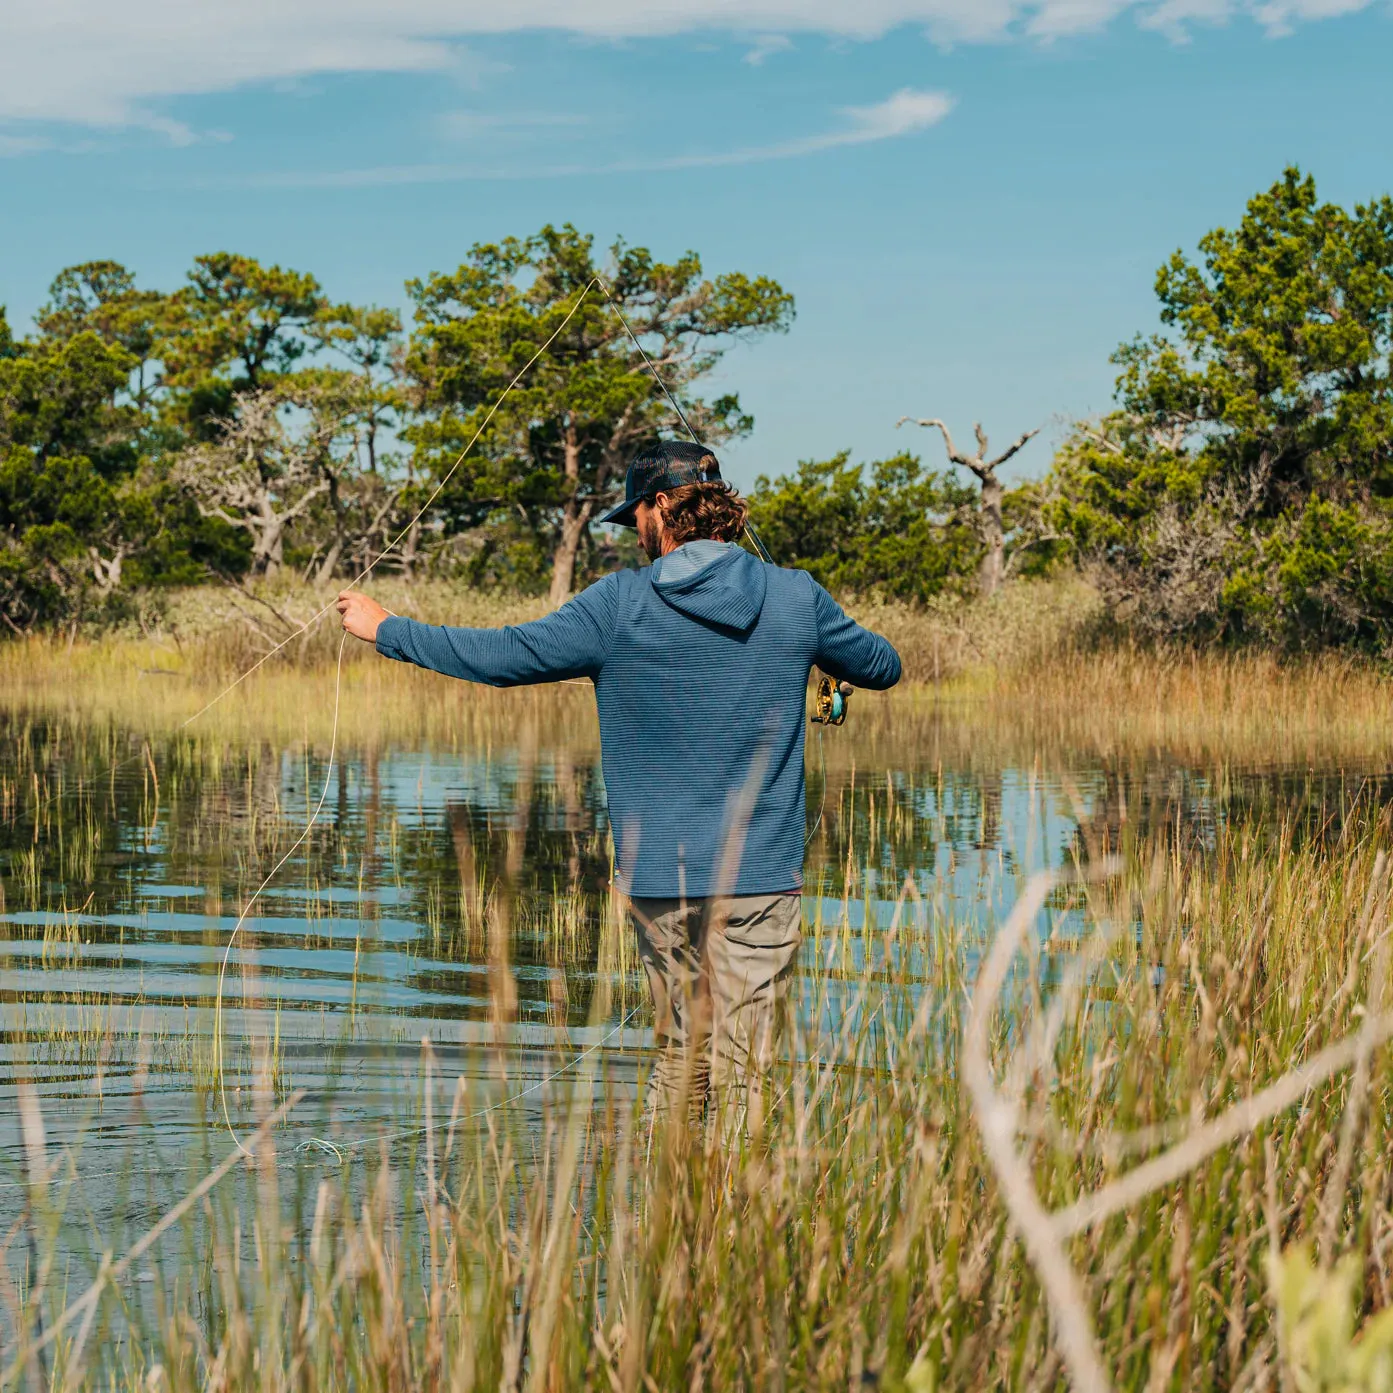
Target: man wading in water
[[700, 664]]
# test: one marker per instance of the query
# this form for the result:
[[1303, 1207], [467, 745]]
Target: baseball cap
[[667, 465]]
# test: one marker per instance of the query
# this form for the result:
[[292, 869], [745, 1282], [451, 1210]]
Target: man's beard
[[648, 536]]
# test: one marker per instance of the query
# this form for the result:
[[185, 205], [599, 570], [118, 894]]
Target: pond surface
[[458, 894]]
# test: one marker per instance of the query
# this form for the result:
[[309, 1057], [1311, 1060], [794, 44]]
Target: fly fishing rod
[[830, 701]]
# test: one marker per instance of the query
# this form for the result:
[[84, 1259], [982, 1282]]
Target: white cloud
[[1174, 18], [104, 65], [904, 113], [1282, 16], [765, 46]]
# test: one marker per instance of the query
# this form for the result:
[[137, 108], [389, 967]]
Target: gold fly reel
[[830, 702]]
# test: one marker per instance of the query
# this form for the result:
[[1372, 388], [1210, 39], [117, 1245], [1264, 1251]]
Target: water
[[458, 895]]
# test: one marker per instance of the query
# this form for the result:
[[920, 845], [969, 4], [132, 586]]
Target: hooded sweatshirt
[[700, 664]]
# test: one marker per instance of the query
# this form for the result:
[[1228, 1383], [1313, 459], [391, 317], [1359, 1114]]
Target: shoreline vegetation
[[1035, 665]]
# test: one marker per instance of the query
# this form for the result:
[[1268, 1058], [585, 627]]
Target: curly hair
[[711, 510]]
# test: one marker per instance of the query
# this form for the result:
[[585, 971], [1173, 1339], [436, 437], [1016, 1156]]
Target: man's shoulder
[[792, 581], [607, 586]]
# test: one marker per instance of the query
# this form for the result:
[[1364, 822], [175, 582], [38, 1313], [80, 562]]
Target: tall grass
[[1027, 670], [862, 1240], [514, 1223]]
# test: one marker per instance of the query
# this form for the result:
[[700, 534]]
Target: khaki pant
[[719, 970]]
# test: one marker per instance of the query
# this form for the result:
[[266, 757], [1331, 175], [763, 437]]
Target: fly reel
[[830, 703]]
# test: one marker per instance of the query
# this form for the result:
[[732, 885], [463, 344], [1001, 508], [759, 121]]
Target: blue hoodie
[[700, 664]]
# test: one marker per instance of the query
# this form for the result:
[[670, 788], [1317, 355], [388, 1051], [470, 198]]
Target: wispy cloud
[[11, 145], [905, 113], [765, 46], [89, 62]]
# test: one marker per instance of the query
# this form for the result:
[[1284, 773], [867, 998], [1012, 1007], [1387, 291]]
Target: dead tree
[[989, 518]]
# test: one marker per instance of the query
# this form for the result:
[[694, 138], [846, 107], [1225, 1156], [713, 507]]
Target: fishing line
[[338, 672], [319, 1144]]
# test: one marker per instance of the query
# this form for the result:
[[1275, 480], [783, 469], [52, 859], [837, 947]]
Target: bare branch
[[1010, 449], [997, 1121], [954, 454], [1229, 1126]]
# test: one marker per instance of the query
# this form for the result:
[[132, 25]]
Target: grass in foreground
[[864, 1241]]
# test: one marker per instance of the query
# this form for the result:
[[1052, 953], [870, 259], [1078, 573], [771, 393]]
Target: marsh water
[[455, 891]]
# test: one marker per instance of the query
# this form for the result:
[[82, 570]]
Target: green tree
[[1244, 486], [554, 454], [236, 327], [101, 297], [87, 510], [64, 397], [905, 533]]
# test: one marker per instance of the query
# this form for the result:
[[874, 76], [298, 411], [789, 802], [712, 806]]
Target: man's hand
[[361, 615]]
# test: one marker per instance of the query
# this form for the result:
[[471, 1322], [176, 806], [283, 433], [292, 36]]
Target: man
[[700, 664]]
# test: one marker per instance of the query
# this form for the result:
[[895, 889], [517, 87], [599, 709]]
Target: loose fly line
[[368, 569]]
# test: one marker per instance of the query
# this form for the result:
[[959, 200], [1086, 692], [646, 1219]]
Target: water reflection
[[462, 895]]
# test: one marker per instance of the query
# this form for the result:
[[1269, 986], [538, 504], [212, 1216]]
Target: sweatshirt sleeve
[[572, 642], [849, 653]]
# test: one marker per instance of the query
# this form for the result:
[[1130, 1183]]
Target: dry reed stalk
[[1228, 1127], [996, 1120]]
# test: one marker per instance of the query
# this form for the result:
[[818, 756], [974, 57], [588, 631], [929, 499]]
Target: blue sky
[[968, 198]]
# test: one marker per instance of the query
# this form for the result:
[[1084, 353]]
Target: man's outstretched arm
[[572, 642], [850, 653]]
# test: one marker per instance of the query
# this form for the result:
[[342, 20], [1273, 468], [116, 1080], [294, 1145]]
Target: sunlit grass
[[862, 1238], [520, 1233]]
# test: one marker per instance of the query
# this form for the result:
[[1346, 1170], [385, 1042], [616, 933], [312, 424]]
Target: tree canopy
[[554, 455], [1243, 487], [245, 422], [900, 531]]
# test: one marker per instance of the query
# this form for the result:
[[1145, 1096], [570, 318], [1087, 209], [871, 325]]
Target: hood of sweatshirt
[[715, 582]]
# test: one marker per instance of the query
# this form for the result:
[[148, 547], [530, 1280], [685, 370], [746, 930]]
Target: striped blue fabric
[[701, 682]]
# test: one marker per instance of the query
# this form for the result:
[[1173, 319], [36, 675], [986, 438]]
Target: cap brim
[[623, 515]]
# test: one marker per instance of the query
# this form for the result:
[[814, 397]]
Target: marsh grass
[[510, 1222], [862, 1240], [1033, 672]]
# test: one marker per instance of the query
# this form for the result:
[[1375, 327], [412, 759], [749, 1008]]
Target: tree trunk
[[336, 549], [573, 523], [993, 566], [410, 549], [563, 564], [330, 564]]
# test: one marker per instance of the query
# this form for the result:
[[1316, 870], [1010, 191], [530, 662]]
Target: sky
[[968, 199]]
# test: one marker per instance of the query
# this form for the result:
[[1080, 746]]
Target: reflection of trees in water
[[179, 811], [937, 819], [1181, 809], [504, 861]]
